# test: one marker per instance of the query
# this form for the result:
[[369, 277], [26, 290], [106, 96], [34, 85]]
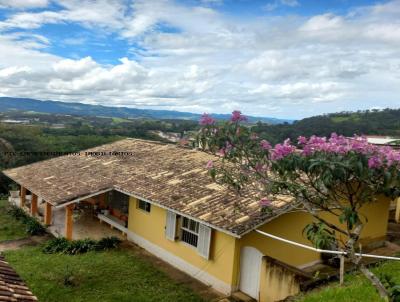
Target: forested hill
[[371, 122], [24, 104]]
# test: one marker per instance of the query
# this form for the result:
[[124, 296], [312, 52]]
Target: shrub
[[108, 243], [34, 227], [73, 247], [56, 245], [17, 213], [3, 196], [81, 246], [393, 288]]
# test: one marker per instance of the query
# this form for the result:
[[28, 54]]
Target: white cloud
[[23, 3], [299, 91], [69, 69], [291, 66], [323, 22], [148, 14], [277, 3], [15, 52], [12, 71], [106, 14]]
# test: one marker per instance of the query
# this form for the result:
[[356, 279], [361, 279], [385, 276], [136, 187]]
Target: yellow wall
[[288, 226], [397, 214], [277, 283], [291, 225], [151, 226], [378, 216], [224, 260]]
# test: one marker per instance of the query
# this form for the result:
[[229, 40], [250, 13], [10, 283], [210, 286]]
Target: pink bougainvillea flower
[[228, 147], [265, 144], [206, 120], [221, 152], [302, 140], [259, 167], [282, 150], [210, 164], [265, 202], [378, 157], [237, 116], [374, 162]]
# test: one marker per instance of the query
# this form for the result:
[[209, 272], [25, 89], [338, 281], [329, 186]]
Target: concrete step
[[241, 297]]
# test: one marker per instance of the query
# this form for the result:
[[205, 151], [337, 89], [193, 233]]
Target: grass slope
[[116, 275], [356, 289], [10, 229]]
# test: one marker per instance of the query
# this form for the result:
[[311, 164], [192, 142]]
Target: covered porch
[[99, 215]]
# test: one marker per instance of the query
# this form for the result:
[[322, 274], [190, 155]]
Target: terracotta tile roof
[[12, 288], [165, 174]]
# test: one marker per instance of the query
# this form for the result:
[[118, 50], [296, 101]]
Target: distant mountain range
[[56, 107]]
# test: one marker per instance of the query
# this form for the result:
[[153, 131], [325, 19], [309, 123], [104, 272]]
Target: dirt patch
[[203, 290], [19, 243]]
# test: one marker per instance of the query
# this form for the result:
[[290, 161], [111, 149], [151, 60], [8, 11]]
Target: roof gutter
[[82, 198]]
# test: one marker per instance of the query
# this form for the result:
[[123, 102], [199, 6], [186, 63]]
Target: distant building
[[57, 126], [170, 136], [14, 121], [383, 140]]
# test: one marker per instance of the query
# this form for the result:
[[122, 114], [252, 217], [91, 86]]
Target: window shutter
[[170, 229], [203, 246]]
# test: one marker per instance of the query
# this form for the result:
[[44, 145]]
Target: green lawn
[[10, 229], [118, 120], [356, 289], [115, 275]]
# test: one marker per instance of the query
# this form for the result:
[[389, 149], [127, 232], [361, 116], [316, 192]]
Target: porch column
[[34, 205], [102, 200], [68, 221], [47, 213], [23, 196], [397, 216]]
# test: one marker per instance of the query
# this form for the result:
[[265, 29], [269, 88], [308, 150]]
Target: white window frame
[[187, 229], [145, 205]]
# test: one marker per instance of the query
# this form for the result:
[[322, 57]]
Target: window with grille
[[144, 205], [190, 231]]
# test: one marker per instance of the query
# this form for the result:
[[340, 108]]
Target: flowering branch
[[335, 175]]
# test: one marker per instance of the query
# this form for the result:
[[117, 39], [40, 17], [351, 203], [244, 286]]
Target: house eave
[[149, 201], [178, 212], [28, 188]]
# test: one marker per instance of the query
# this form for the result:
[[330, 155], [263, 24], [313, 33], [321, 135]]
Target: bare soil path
[[19, 243]]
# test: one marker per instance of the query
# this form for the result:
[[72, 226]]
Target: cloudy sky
[[279, 58]]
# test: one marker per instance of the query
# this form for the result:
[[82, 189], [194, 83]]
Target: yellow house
[[162, 198]]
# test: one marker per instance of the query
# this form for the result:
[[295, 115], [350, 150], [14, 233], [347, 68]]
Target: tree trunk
[[383, 292], [356, 260]]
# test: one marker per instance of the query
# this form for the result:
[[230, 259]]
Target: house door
[[250, 269]]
